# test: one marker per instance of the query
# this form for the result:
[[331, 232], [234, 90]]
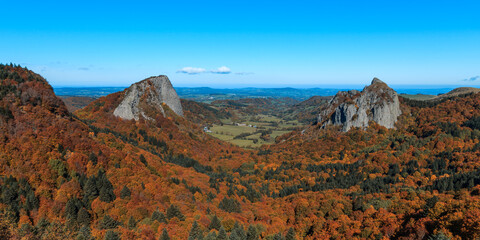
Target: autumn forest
[[90, 174]]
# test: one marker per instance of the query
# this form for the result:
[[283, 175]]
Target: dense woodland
[[90, 175]]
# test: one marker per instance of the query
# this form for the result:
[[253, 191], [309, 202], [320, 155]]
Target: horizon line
[[300, 86]]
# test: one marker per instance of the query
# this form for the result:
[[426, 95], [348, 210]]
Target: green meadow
[[252, 131]]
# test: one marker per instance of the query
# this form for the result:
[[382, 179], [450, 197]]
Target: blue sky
[[245, 43]]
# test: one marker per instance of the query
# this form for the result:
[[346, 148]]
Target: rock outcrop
[[146, 97], [377, 102]]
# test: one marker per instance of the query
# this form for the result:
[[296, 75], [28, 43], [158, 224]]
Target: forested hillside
[[91, 175]]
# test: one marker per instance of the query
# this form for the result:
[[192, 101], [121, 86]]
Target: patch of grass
[[420, 97], [250, 137], [278, 133]]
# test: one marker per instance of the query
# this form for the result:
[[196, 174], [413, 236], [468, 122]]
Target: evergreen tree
[[59, 167], [10, 196], [278, 236], [83, 217], [158, 216], [252, 233], [101, 177], [164, 235], [235, 236], [143, 160], [230, 205], [215, 223], [112, 235], [41, 225], [291, 235], [80, 236], [357, 203], [12, 213], [108, 223], [90, 191], [106, 191], [26, 230], [195, 232], [31, 202], [72, 207], [93, 158], [84, 233], [211, 236], [222, 234], [430, 202], [125, 193], [238, 232], [174, 211], [132, 223]]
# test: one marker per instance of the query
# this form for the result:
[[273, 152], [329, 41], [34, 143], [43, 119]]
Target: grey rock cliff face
[[377, 102], [146, 96]]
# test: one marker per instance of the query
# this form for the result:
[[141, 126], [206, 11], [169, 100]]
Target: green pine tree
[[143, 160], [235, 236], [106, 191], [108, 223], [71, 209], [132, 223], [42, 225], [159, 216], [90, 191], [238, 232], [164, 235], [31, 202], [278, 236], [252, 233], [211, 236], [174, 211], [222, 234], [93, 158], [291, 235], [83, 217], [125, 193], [112, 235], [230, 205], [84, 233], [195, 232], [215, 223]]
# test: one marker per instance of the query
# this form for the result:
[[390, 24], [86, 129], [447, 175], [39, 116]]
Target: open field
[[254, 132], [420, 97]]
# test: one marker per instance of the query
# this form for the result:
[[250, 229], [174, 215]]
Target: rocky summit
[[376, 102], [146, 97]]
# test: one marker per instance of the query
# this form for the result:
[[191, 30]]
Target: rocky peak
[[147, 97], [376, 80], [376, 102]]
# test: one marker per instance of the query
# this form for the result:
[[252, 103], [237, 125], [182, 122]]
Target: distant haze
[[232, 93]]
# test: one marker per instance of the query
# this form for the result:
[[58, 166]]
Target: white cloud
[[244, 73], [472, 79], [221, 70], [191, 70]]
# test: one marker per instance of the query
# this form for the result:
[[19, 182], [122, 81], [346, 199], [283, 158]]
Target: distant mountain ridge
[[207, 94], [75, 103], [459, 91]]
